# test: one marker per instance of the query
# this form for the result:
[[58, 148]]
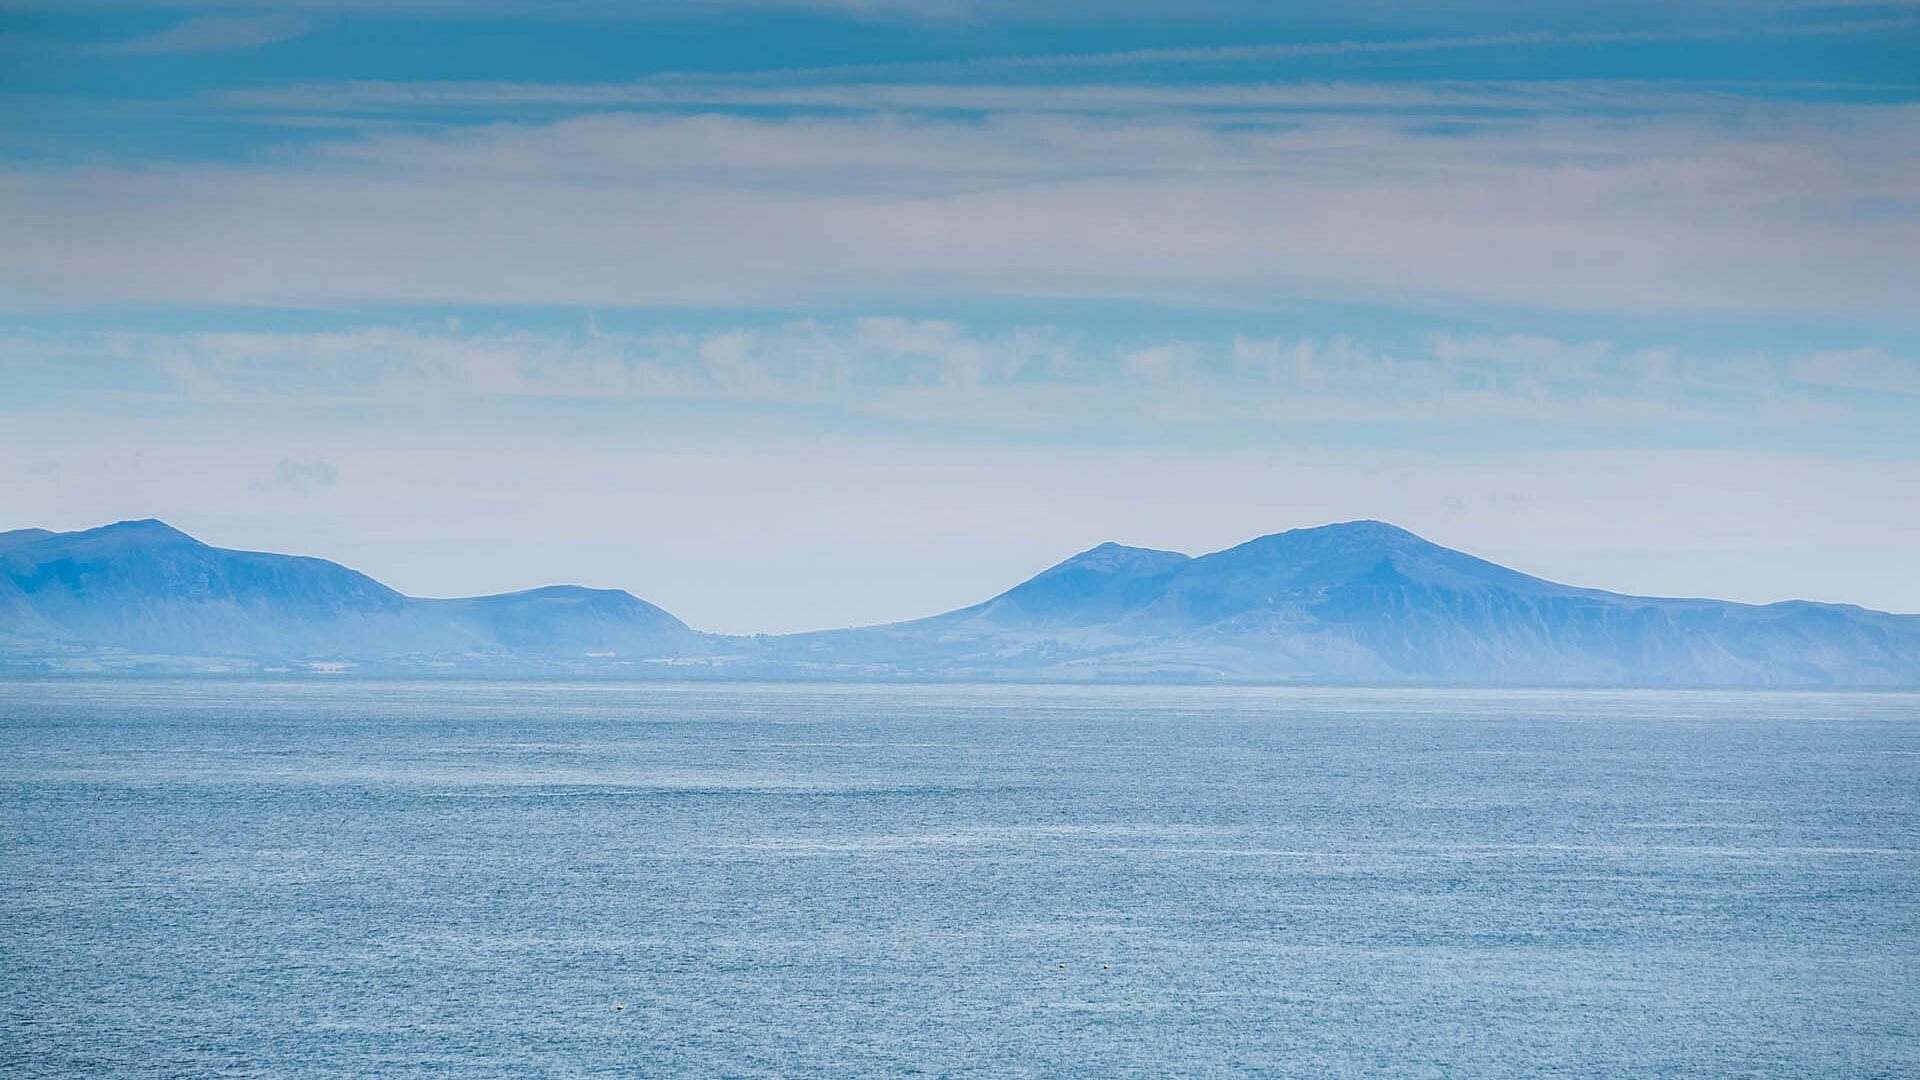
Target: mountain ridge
[[1349, 602]]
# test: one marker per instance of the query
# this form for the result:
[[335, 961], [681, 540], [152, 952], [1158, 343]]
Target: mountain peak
[[144, 530], [1367, 525], [1347, 553], [17, 537], [104, 541], [560, 616], [1365, 540], [1111, 556], [578, 592], [1095, 584], [1357, 532]]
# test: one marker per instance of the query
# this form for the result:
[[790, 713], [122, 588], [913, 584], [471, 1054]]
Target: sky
[[787, 314]]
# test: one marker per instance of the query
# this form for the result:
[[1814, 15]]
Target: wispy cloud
[[346, 99], [1860, 369], [1217, 54], [1802, 209], [302, 476], [212, 33], [1037, 380]]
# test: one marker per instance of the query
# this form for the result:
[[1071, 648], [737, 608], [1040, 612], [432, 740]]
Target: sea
[[339, 878]]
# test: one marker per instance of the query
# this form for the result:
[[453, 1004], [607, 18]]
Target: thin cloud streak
[[352, 98], [712, 87], [1038, 380], [1299, 49], [1811, 213], [211, 33], [1284, 50]]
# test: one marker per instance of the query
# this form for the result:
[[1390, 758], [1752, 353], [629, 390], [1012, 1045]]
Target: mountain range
[[1358, 602]]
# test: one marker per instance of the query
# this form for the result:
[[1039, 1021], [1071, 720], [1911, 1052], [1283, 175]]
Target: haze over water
[[247, 879]]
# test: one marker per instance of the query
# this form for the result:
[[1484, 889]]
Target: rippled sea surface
[[412, 879]]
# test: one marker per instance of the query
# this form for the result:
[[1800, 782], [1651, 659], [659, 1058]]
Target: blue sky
[[792, 314]]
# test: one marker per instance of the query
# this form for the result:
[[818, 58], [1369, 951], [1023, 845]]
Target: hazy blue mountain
[[1095, 586], [22, 536], [1360, 602], [565, 620], [142, 590]]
